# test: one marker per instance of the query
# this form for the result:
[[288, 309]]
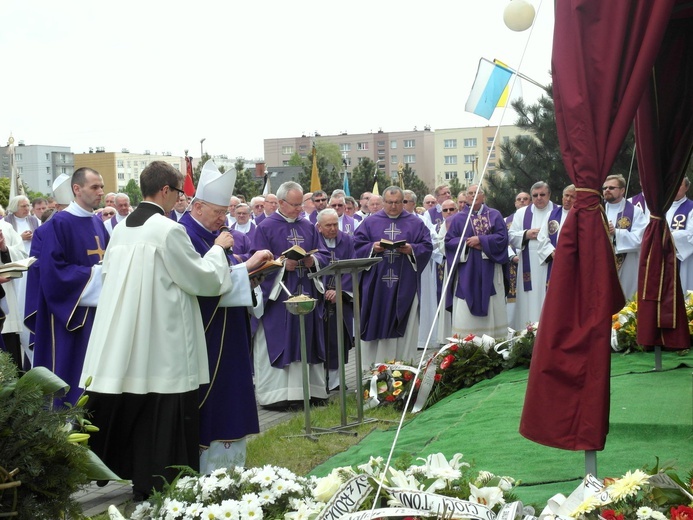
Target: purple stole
[[554, 226], [680, 219], [436, 216], [114, 222], [357, 216], [512, 269], [526, 267], [624, 220]]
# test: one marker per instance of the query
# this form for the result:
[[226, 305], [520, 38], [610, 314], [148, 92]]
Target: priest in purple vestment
[[72, 247], [277, 343], [477, 239], [228, 412], [340, 245], [389, 316]]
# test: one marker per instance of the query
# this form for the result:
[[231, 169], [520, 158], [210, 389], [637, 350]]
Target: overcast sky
[[161, 75]]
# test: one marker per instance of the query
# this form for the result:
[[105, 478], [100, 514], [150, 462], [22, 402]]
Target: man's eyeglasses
[[219, 212], [177, 189], [405, 201], [448, 210], [393, 202], [536, 195], [430, 203], [297, 205], [610, 188]]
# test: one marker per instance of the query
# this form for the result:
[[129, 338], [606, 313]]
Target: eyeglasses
[[448, 210], [297, 205], [521, 198], [430, 203], [535, 195], [336, 205], [109, 214], [405, 201], [177, 189], [604, 188], [392, 202], [319, 200], [216, 212]]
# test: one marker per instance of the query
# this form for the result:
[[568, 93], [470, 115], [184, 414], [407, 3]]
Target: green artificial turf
[[651, 416]]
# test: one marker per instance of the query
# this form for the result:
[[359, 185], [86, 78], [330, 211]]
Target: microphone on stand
[[221, 230]]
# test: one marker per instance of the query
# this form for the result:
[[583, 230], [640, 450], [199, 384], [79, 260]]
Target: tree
[[413, 183], [239, 166], [455, 187], [528, 159], [132, 190], [246, 185], [362, 178], [329, 160]]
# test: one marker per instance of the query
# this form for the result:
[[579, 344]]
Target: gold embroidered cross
[[98, 250]]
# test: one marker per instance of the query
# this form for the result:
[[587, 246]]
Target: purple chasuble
[[228, 410], [69, 247], [389, 287], [343, 250], [474, 282], [282, 329], [639, 201]]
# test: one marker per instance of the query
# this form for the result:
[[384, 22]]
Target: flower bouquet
[[389, 384]]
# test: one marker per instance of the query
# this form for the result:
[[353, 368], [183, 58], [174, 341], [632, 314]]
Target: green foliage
[[528, 159], [4, 191], [329, 160], [413, 183], [246, 185], [132, 190], [455, 188], [362, 178], [33, 439]]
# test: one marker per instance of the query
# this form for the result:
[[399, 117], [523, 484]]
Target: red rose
[[407, 376], [382, 368], [391, 398], [610, 514], [417, 383], [454, 348], [469, 338], [681, 513], [437, 379]]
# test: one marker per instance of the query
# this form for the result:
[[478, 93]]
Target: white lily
[[488, 496]]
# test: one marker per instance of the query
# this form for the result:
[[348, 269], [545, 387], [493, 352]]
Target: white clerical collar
[[616, 205], [119, 217], [243, 227], [78, 211], [677, 203], [285, 217], [200, 224], [179, 215], [330, 242]]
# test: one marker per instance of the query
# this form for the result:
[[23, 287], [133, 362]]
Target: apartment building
[[118, 168], [37, 165], [462, 153], [387, 149]]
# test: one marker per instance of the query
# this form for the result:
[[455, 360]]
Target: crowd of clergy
[[153, 312]]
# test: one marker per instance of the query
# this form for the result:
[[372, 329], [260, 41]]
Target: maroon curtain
[[603, 53], [664, 138]]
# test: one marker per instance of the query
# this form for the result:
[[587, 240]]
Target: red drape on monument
[[603, 53], [664, 139]]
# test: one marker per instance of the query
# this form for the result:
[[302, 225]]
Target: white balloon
[[518, 15]]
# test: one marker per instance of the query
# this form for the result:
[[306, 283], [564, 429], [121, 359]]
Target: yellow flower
[[397, 384], [628, 485], [617, 325], [396, 373], [588, 505]]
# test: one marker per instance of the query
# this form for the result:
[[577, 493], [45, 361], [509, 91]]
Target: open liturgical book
[[297, 253], [15, 269], [268, 267], [389, 244]]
